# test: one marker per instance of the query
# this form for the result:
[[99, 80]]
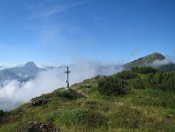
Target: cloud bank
[[14, 93], [159, 63]]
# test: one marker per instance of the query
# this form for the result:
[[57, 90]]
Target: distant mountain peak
[[156, 53], [30, 65], [145, 61], [155, 56]]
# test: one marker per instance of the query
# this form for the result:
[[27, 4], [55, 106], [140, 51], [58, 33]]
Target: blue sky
[[60, 31]]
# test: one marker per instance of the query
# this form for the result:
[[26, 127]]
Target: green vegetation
[[144, 70], [162, 81], [147, 105], [69, 94], [145, 61], [87, 119], [126, 75], [1, 113], [112, 86]]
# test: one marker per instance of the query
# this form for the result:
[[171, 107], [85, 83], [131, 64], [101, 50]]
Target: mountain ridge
[[155, 60], [148, 59], [20, 73]]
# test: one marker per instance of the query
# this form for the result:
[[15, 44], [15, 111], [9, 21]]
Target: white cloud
[[46, 10], [16, 92], [159, 63]]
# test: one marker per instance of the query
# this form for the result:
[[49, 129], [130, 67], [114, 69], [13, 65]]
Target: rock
[[38, 101], [33, 126], [30, 124], [119, 103]]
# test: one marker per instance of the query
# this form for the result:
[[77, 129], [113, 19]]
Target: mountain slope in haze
[[29, 71], [24, 73], [167, 67], [155, 60]]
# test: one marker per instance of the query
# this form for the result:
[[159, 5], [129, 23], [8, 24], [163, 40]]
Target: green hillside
[[145, 60], [148, 61], [138, 100]]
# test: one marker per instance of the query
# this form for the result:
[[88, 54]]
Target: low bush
[[1, 113], [92, 119], [137, 83], [83, 119], [126, 117], [69, 94], [71, 117], [155, 98], [127, 75], [162, 80], [144, 70], [52, 116], [112, 86]]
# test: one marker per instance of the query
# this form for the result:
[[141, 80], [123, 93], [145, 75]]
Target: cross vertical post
[[67, 72]]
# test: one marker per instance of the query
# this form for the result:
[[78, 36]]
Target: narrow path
[[80, 92]]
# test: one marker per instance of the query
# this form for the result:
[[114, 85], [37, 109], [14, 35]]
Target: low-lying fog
[[14, 93]]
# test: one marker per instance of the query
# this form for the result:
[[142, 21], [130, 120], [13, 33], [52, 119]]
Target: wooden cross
[[67, 72]]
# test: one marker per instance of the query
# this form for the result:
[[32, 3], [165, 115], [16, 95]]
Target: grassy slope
[[141, 110]]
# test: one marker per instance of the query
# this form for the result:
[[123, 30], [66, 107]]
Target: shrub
[[126, 117], [144, 70], [97, 77], [52, 116], [83, 118], [127, 75], [69, 94], [161, 80], [137, 83], [112, 86], [93, 119], [1, 112], [71, 117], [1, 116]]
